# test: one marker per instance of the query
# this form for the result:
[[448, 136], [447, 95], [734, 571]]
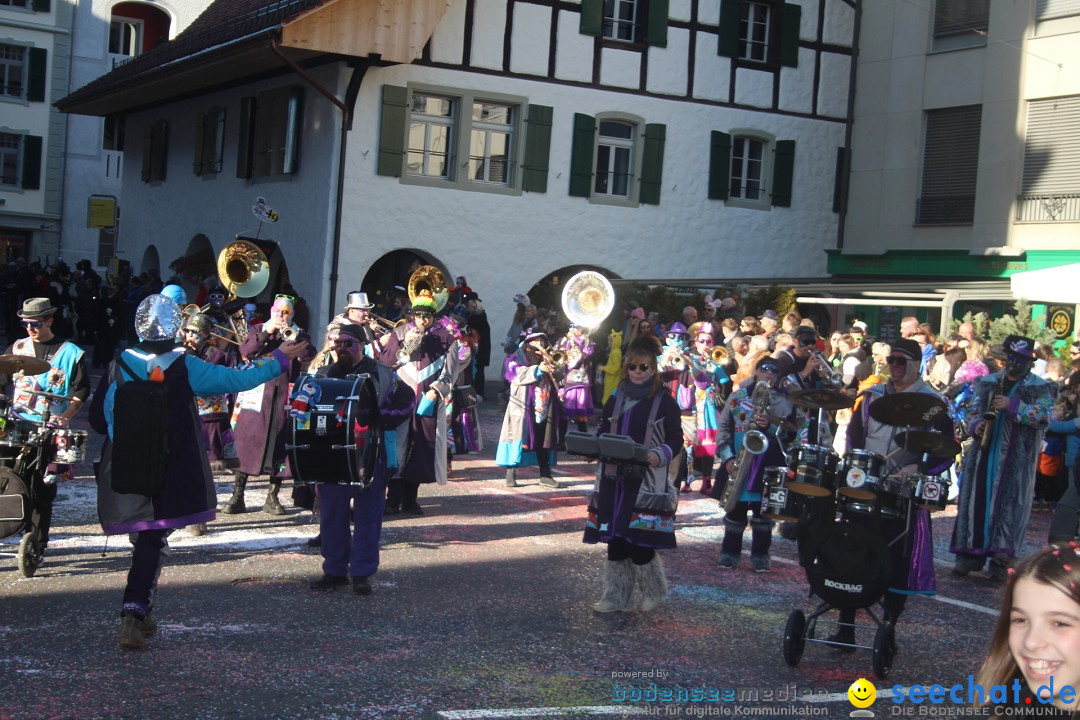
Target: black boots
[[272, 506], [235, 505]]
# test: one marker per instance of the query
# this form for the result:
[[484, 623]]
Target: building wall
[[91, 170], [899, 79]]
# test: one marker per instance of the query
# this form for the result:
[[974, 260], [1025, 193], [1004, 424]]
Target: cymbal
[[823, 399], [930, 443], [907, 408], [51, 396], [11, 364]]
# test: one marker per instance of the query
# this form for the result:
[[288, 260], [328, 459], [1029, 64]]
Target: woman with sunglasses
[[632, 508], [913, 570]]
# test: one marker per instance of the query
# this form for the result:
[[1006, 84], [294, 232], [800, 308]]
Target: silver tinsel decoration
[[158, 318]]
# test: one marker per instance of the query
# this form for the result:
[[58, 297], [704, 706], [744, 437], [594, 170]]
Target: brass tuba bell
[[432, 279], [587, 298], [243, 269]]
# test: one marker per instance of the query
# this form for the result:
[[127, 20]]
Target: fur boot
[[731, 547], [652, 582], [760, 542], [618, 582]]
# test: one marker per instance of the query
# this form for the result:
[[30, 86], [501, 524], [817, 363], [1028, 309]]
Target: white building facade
[[503, 140]]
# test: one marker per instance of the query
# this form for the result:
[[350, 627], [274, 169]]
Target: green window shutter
[[656, 28], [36, 73], [200, 142], [783, 172], [40, 6], [652, 164], [31, 162], [592, 17], [840, 184], [537, 149], [245, 147], [147, 151], [581, 155], [719, 165], [790, 20], [729, 28], [395, 116]]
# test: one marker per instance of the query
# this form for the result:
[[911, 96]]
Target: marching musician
[[712, 385], [67, 377], [677, 374], [749, 408], [354, 559], [576, 393], [214, 410], [215, 310], [912, 560], [1013, 406], [260, 418], [530, 427], [427, 358], [358, 312]]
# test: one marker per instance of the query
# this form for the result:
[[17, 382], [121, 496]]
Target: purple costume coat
[[576, 390]]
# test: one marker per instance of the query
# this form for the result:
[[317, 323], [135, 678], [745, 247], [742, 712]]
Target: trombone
[[192, 310]]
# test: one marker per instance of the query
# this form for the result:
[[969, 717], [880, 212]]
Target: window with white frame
[[1049, 9], [431, 133], [620, 19], [748, 168], [614, 174], [754, 28], [491, 143], [12, 71], [125, 37], [9, 159]]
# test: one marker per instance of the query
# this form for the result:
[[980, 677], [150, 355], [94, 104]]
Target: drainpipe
[[346, 125], [846, 181]]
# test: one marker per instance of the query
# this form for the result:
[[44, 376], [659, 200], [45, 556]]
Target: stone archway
[[546, 293], [151, 263], [394, 269]]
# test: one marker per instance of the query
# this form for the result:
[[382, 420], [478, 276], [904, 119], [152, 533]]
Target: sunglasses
[[643, 367], [807, 342], [32, 324], [705, 341], [770, 369], [423, 314], [283, 296], [193, 331], [894, 360], [340, 342]]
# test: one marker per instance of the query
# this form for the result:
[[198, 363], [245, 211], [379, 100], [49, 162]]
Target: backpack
[[140, 451]]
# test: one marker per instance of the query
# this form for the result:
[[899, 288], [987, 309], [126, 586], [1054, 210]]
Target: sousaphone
[[243, 269], [587, 299], [432, 279]]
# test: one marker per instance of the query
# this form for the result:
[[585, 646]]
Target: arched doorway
[[151, 263], [395, 268], [547, 292]]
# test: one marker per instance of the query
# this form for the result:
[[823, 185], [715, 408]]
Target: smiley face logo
[[862, 693]]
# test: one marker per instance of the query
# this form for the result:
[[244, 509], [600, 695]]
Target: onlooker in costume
[[188, 496], [613, 367], [67, 377], [999, 469], [576, 392], [428, 359], [632, 508], [530, 427], [711, 389], [912, 573], [260, 415], [353, 557], [739, 416]]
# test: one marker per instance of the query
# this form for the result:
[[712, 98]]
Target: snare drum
[[70, 446], [895, 494], [815, 470], [17, 431], [848, 506], [777, 500], [931, 493], [326, 414], [860, 474]]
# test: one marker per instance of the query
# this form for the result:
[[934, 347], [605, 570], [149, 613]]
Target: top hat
[[359, 300], [1019, 345], [36, 307]]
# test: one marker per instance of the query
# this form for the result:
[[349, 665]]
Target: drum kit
[[28, 443], [858, 480]]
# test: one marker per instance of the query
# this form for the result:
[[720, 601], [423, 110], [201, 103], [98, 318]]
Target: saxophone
[[754, 443], [991, 415]]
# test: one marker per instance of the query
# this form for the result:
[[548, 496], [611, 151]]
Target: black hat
[[908, 348], [353, 330], [1019, 345], [36, 307], [805, 331]]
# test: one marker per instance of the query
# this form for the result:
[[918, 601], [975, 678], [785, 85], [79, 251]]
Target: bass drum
[[332, 422], [14, 503]]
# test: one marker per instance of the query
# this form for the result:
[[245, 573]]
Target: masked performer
[[427, 358], [576, 394], [531, 422], [260, 417], [214, 410], [632, 508], [1011, 411]]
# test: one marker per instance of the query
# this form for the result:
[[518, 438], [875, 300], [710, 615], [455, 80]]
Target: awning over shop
[[1053, 285]]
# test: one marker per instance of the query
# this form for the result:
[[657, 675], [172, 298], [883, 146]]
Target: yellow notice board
[[101, 211]]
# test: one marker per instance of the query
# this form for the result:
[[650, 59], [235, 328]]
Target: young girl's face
[[1044, 636]]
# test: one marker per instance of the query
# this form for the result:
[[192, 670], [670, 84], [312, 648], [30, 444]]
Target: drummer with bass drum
[[62, 389], [890, 432]]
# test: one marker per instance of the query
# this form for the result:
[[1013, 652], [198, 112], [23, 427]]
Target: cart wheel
[[884, 649], [794, 637], [29, 555]]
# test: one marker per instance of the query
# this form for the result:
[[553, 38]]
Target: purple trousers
[[354, 553]]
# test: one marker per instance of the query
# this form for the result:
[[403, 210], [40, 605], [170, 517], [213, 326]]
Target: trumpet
[[290, 333], [676, 359], [829, 377], [719, 355], [555, 358]]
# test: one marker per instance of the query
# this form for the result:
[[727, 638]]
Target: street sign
[[101, 211]]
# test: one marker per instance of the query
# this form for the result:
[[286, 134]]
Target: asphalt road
[[481, 608]]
